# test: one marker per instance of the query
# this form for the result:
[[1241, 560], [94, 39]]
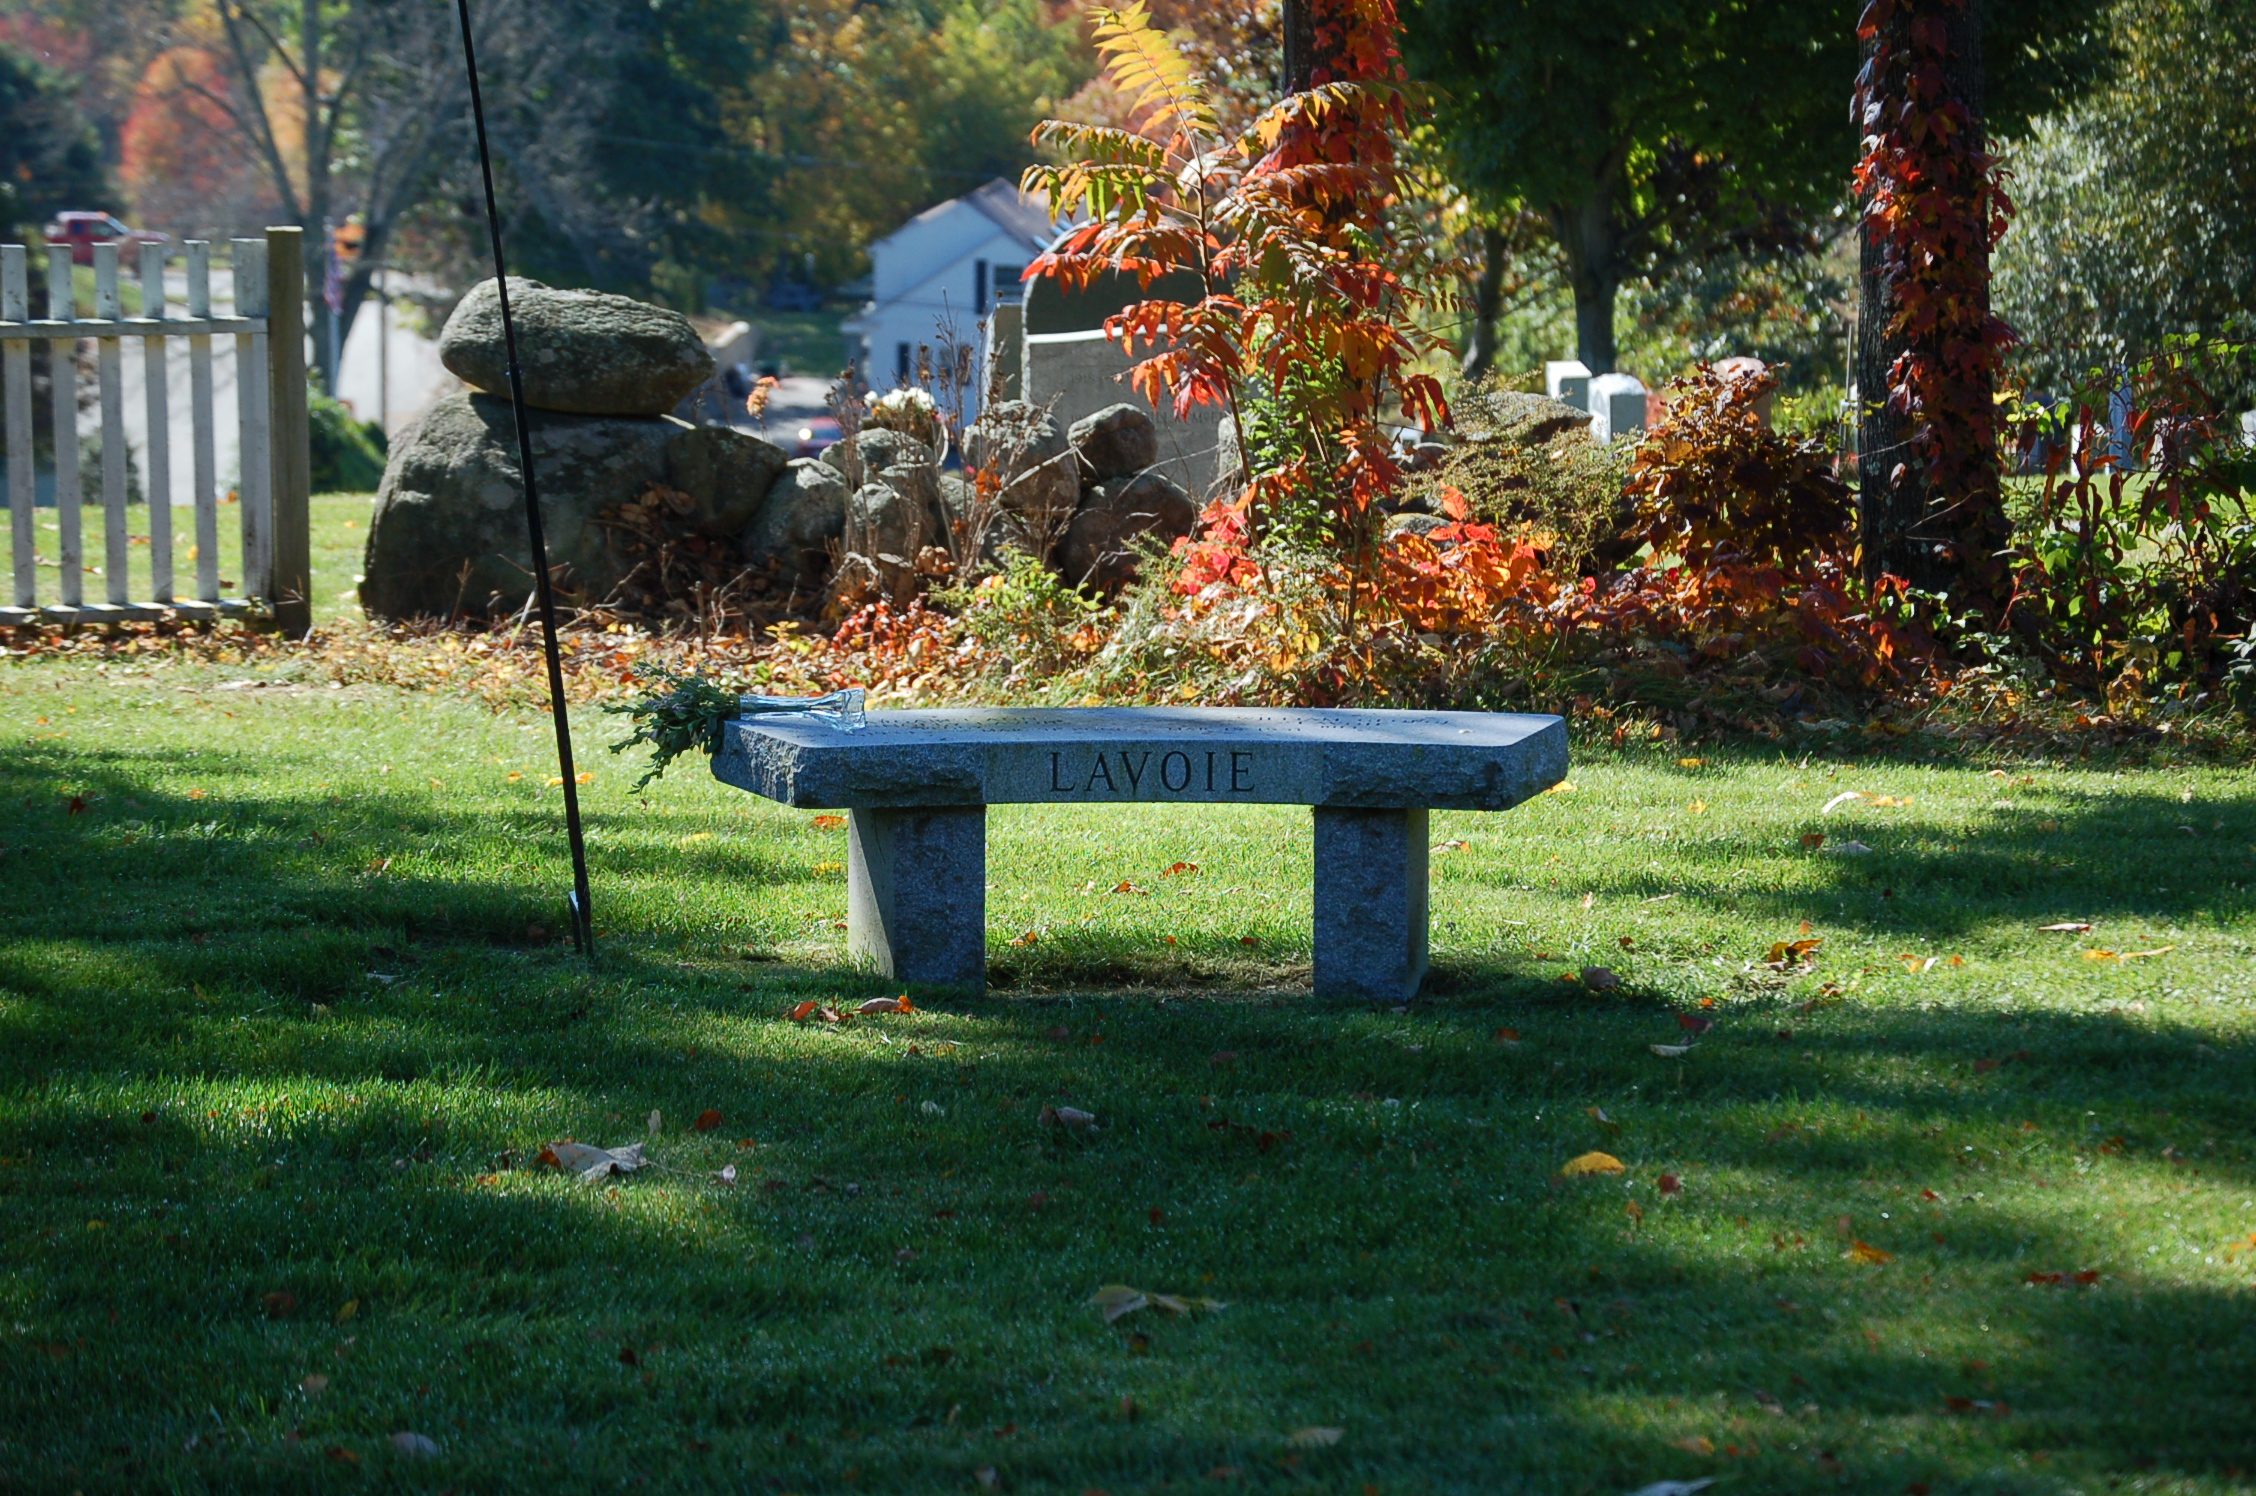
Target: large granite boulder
[[728, 472], [888, 525], [1038, 474], [1119, 441], [1099, 549], [880, 448], [583, 352], [447, 537], [1519, 418], [805, 510]]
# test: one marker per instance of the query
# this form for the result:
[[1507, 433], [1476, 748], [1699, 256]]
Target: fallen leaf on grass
[[1671, 1051], [1249, 940], [1600, 978], [829, 823], [1697, 1444], [812, 1009], [1118, 1301], [1917, 964], [1029, 938], [707, 1120], [1669, 1184], [315, 1385], [2086, 1279], [1563, 787], [1865, 1252], [899, 1004], [1315, 1438], [1508, 1036], [1454, 844], [280, 1305], [1180, 869], [2066, 927], [1124, 886], [1066, 1116], [347, 1310], [589, 1162], [1812, 840], [1590, 1163], [2160, 950], [1693, 1023], [1793, 955], [1828, 996], [341, 1455]]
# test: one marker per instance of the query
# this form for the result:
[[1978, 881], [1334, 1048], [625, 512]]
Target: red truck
[[82, 231]]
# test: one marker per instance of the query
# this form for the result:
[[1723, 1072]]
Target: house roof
[[1023, 217]]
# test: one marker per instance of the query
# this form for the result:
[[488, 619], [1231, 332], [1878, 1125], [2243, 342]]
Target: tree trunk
[[1299, 28], [1939, 537], [1586, 231], [1488, 297]]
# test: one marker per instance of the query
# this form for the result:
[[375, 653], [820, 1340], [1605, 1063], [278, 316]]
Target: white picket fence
[[266, 325]]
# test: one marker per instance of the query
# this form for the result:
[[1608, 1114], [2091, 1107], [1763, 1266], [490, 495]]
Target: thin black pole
[[583, 922]]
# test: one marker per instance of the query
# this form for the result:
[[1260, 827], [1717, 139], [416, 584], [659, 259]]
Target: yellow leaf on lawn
[[1699, 807], [2099, 955], [1696, 1444], [1864, 1252], [829, 823], [1563, 787], [1591, 1163], [1691, 763]]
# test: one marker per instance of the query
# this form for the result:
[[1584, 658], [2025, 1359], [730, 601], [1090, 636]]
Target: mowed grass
[[337, 536], [285, 1011]]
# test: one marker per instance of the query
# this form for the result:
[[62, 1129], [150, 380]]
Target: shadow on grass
[[880, 1285], [902, 1291]]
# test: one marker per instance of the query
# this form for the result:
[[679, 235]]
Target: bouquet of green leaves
[[689, 711]]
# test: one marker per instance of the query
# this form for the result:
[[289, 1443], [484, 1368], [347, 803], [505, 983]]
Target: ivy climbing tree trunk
[[1930, 508]]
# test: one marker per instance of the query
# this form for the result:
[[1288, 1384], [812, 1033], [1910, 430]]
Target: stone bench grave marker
[[917, 784]]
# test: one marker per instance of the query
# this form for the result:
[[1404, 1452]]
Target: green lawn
[[285, 1020], [338, 525]]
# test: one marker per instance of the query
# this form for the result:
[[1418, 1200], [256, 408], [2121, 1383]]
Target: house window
[[1008, 287], [979, 288], [901, 362]]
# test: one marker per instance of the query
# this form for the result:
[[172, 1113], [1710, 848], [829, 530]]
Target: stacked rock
[[1083, 498], [601, 373], [617, 471]]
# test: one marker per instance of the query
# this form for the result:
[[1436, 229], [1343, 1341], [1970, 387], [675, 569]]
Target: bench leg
[[916, 893], [1370, 903]]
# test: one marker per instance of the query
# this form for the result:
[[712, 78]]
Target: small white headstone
[[1568, 380], [1617, 406], [2248, 428]]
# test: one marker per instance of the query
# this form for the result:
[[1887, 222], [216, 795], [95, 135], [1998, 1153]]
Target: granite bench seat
[[916, 786]]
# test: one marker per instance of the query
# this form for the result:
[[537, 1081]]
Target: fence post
[[292, 598]]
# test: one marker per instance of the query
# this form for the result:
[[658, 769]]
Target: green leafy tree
[[2138, 207], [1651, 132], [49, 156]]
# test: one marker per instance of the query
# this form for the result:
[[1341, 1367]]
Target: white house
[[957, 262]]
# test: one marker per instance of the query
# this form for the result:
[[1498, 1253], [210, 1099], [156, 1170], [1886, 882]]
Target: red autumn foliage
[[1935, 206]]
